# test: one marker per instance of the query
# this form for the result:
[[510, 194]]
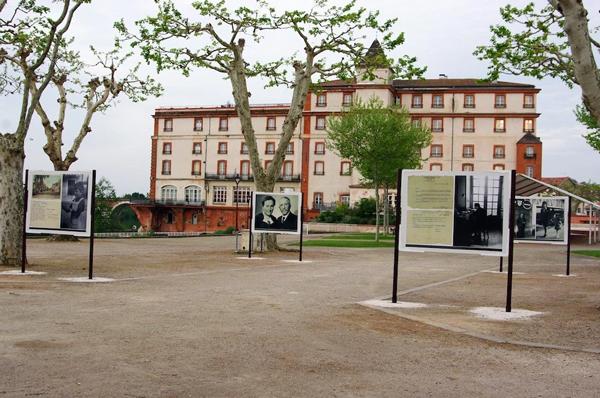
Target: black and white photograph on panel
[[74, 202], [478, 211], [524, 219], [550, 219], [276, 212], [46, 186]]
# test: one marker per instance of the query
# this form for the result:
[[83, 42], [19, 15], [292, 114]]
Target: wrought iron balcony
[[168, 202], [324, 206], [231, 177]]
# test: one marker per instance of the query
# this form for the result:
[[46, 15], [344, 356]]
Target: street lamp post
[[237, 200], [237, 207]]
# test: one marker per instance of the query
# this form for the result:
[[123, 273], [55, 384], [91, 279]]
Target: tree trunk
[[12, 156], [586, 72], [265, 179], [386, 211], [376, 213]]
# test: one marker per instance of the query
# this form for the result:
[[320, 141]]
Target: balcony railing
[[168, 202], [324, 206], [231, 177]]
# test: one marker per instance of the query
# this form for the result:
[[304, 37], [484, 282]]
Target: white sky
[[441, 34]]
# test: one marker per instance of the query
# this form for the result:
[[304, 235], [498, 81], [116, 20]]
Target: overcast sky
[[441, 34]]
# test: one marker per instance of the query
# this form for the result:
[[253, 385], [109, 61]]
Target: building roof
[[455, 83], [529, 139], [375, 50], [440, 84], [375, 57], [558, 181]]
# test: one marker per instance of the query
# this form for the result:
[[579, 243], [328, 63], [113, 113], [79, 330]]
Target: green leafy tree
[[587, 190], [134, 196], [328, 38], [378, 140], [593, 125], [105, 193], [31, 36], [553, 41]]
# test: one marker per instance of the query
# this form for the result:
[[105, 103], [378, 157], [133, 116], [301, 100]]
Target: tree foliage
[[93, 87], [88, 82], [592, 124], [105, 192], [363, 212], [587, 190], [378, 140], [329, 39], [31, 38], [554, 41]]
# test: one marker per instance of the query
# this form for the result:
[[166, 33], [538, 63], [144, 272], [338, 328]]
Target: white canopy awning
[[528, 186]]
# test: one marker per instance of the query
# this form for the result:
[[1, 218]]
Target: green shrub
[[226, 231], [362, 213]]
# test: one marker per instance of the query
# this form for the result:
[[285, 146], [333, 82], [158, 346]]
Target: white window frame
[[219, 195], [243, 195], [197, 145], [470, 103], [193, 194], [168, 193], [320, 123]]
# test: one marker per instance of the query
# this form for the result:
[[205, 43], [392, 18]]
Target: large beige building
[[198, 151]]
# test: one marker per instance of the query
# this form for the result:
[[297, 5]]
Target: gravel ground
[[185, 317]]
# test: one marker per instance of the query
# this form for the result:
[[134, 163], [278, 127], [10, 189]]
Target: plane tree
[[553, 41], [378, 140], [31, 37], [35, 54], [329, 41]]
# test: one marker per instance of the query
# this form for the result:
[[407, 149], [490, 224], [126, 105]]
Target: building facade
[[197, 152]]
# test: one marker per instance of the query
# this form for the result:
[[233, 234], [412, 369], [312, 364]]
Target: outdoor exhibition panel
[[458, 212], [277, 213], [59, 202], [542, 219]]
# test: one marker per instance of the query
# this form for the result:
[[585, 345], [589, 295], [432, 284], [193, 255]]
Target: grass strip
[[346, 243], [359, 237], [592, 253]]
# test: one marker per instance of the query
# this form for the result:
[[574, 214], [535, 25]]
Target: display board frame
[[531, 220], [278, 227], [59, 202], [444, 190]]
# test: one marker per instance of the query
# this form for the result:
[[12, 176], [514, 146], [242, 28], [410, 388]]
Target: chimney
[[443, 76]]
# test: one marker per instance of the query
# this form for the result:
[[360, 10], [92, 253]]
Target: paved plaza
[[187, 317]]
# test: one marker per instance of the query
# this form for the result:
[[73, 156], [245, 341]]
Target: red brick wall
[[536, 162]]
